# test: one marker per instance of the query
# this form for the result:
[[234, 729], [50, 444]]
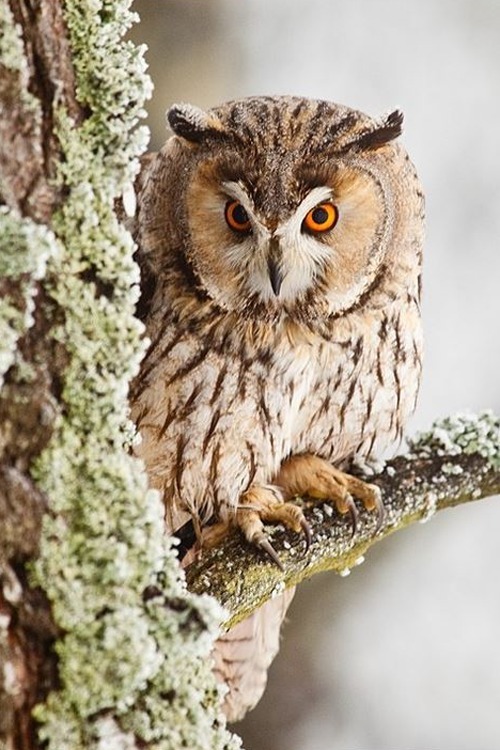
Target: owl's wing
[[243, 655]]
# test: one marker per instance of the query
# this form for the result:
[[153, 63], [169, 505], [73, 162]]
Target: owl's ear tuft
[[383, 132], [193, 124]]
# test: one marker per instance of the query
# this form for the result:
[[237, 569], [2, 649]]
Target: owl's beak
[[273, 265]]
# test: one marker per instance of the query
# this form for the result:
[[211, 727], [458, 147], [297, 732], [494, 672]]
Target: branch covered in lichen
[[457, 461]]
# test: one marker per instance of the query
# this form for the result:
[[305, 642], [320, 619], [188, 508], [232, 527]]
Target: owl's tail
[[244, 654]]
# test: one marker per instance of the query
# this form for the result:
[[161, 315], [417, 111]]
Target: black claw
[[308, 532], [268, 548], [354, 516]]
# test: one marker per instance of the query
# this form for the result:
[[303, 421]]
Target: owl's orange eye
[[237, 217], [321, 218]]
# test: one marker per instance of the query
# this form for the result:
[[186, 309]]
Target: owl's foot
[[259, 505], [313, 476], [303, 475]]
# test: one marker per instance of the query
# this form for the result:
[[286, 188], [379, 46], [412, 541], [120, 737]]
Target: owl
[[280, 240]]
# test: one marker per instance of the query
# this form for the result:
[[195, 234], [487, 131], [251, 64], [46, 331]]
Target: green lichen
[[134, 660], [11, 45], [14, 65], [25, 249], [462, 433]]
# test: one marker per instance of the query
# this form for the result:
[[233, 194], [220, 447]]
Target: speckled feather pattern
[[237, 379]]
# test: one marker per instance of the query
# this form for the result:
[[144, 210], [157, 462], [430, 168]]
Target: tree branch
[[456, 462]]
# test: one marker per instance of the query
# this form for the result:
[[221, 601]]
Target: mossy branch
[[456, 462]]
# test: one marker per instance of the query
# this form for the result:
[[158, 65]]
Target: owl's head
[[283, 206]]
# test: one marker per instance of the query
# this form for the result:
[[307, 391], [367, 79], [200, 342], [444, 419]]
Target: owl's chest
[[291, 390], [338, 397], [303, 389]]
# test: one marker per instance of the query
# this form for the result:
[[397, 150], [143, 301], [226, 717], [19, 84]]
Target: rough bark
[[100, 643], [30, 149], [29, 153]]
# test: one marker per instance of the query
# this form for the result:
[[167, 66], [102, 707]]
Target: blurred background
[[405, 653]]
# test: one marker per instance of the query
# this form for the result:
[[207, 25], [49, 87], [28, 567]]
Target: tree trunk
[[100, 643], [35, 75]]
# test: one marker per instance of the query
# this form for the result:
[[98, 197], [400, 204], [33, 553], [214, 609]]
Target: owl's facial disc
[[285, 259], [258, 253]]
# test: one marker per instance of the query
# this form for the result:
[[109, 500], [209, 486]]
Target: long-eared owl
[[280, 239]]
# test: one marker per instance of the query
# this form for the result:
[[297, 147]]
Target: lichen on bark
[[25, 249], [133, 646]]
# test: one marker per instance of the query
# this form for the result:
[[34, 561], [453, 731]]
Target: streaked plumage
[[274, 341]]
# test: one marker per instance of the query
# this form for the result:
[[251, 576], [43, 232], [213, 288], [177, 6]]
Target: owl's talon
[[308, 533], [265, 504], [268, 548], [310, 475], [353, 515]]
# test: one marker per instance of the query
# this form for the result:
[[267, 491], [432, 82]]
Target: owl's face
[[289, 206]]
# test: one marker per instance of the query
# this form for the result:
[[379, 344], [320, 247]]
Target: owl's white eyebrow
[[237, 191], [315, 196], [293, 224]]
